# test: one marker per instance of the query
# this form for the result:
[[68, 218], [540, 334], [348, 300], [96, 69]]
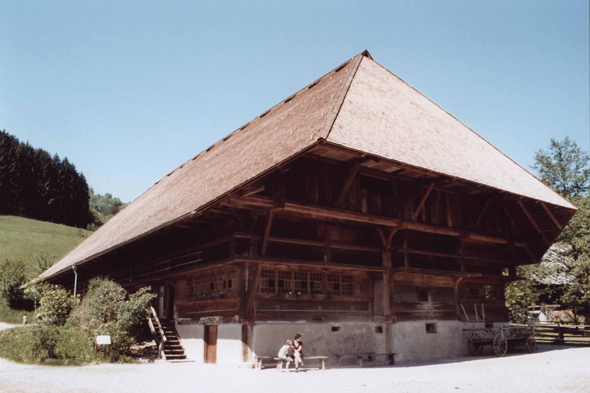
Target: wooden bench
[[320, 359], [360, 356], [260, 360], [389, 355]]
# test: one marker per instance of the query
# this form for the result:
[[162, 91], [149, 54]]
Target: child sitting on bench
[[284, 353]]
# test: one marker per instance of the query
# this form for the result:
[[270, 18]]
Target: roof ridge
[[474, 132], [344, 92]]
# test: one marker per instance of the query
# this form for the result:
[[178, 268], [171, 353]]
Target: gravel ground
[[552, 369]]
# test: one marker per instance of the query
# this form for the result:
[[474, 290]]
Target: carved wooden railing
[[160, 338]]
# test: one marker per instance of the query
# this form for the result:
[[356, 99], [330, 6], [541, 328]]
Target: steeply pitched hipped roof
[[359, 105]]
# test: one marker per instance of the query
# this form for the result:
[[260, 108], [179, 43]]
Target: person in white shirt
[[284, 353]]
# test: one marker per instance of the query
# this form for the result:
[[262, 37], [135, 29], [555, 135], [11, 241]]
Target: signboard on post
[[102, 340]]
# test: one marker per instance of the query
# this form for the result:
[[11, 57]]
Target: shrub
[[103, 299], [12, 278], [44, 342], [55, 304], [108, 310], [64, 345]]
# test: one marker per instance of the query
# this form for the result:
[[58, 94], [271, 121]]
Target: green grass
[[9, 315], [23, 238]]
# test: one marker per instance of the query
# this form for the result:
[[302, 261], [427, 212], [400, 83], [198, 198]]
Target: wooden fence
[[562, 335]]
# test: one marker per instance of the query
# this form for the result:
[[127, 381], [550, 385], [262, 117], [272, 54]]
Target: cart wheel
[[474, 349], [531, 344], [500, 344]]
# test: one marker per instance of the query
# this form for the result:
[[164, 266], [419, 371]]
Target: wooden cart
[[501, 338]]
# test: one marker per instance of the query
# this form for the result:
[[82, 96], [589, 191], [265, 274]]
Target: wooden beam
[[267, 231], [351, 176], [456, 256], [532, 220], [530, 253], [481, 214], [421, 205], [318, 212], [511, 220], [306, 263], [557, 224], [251, 191], [406, 257], [316, 243], [386, 238], [461, 255]]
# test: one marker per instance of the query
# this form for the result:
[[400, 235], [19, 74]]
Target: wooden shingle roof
[[359, 105]]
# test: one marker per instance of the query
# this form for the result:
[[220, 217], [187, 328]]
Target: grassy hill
[[23, 238], [26, 239]]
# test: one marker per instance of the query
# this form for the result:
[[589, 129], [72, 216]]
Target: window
[[378, 329], [300, 283], [431, 328], [335, 328], [340, 285], [231, 278], [213, 283], [198, 288], [267, 281], [190, 289], [347, 287], [217, 283], [315, 283], [423, 295], [285, 282], [334, 284]]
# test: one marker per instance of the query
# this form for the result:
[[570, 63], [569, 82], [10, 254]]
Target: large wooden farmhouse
[[356, 212]]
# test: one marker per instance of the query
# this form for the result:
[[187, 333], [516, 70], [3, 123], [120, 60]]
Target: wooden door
[[211, 344]]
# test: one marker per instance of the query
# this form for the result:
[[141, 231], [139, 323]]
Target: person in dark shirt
[[298, 351]]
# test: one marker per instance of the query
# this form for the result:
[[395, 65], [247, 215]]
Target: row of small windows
[[216, 283], [302, 283]]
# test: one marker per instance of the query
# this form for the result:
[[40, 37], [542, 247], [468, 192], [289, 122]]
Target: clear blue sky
[[129, 90]]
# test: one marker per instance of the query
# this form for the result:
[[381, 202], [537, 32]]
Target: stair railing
[[161, 338]]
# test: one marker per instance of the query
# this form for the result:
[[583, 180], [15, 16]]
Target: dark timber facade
[[355, 249]]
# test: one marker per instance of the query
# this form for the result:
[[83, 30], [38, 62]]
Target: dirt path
[[4, 326], [550, 370]]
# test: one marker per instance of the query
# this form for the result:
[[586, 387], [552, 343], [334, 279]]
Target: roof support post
[[406, 261], [267, 231], [351, 176], [481, 214], [252, 289], [449, 213], [415, 215], [456, 298], [386, 258], [461, 255]]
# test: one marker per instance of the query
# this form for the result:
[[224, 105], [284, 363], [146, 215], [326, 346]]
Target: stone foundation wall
[[410, 340]]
